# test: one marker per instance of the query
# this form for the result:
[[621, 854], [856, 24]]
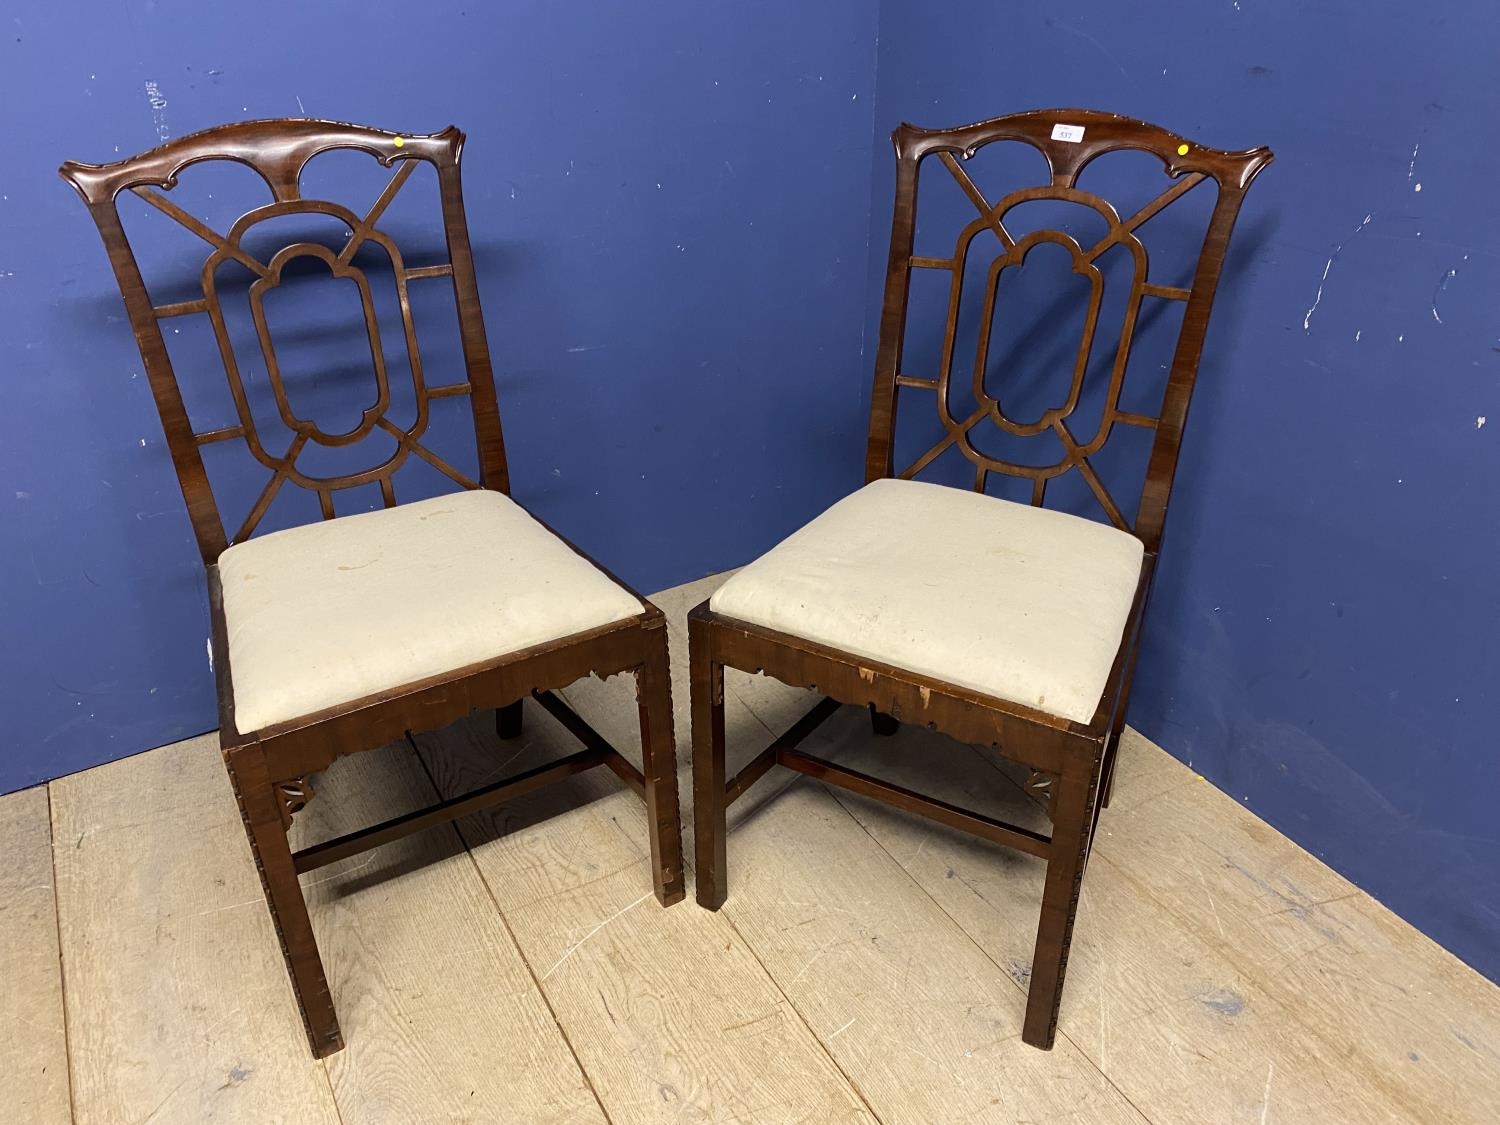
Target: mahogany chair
[[340, 636], [998, 622]]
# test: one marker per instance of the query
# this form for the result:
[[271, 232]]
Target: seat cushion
[[1016, 602], [327, 613]]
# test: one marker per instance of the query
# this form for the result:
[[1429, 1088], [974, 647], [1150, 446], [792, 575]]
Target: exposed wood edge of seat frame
[[733, 640], [596, 752], [1055, 733]]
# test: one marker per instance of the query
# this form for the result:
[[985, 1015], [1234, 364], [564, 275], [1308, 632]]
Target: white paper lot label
[[1073, 133]]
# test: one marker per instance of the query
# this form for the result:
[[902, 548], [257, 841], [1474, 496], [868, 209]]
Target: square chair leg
[[266, 828], [1072, 831], [659, 766], [710, 824]]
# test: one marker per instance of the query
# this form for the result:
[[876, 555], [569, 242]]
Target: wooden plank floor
[[33, 1048], [867, 966]]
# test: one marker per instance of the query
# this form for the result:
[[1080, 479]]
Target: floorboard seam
[[332, 1094], [510, 932], [822, 1046], [62, 972], [792, 1004], [1267, 983], [631, 839], [1004, 972], [1167, 908]]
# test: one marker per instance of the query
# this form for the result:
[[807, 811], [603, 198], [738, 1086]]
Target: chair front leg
[[659, 762], [710, 825], [1072, 828], [266, 827]]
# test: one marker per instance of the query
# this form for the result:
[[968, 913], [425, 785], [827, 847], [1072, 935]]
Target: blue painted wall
[[673, 210], [669, 204], [1325, 637]]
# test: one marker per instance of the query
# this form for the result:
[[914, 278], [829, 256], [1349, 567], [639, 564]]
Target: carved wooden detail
[[292, 796], [1068, 140], [278, 151], [1042, 788]]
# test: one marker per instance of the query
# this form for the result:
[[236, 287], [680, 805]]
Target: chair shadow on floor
[[455, 759], [957, 772]]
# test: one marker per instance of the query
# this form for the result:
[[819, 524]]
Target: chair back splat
[[248, 262], [1045, 447]]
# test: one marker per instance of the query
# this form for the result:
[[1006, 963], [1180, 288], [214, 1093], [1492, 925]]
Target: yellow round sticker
[[399, 141], [1182, 150]]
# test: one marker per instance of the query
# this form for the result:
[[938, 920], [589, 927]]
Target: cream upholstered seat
[[331, 612], [1021, 603]]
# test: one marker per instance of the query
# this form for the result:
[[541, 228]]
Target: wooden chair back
[[1068, 141], [279, 150]]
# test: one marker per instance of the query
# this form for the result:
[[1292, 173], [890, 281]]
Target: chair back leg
[[883, 724], [1117, 727], [508, 721], [659, 767]]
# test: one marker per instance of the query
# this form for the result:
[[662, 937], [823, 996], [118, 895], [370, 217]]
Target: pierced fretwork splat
[[278, 152], [1188, 165]]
